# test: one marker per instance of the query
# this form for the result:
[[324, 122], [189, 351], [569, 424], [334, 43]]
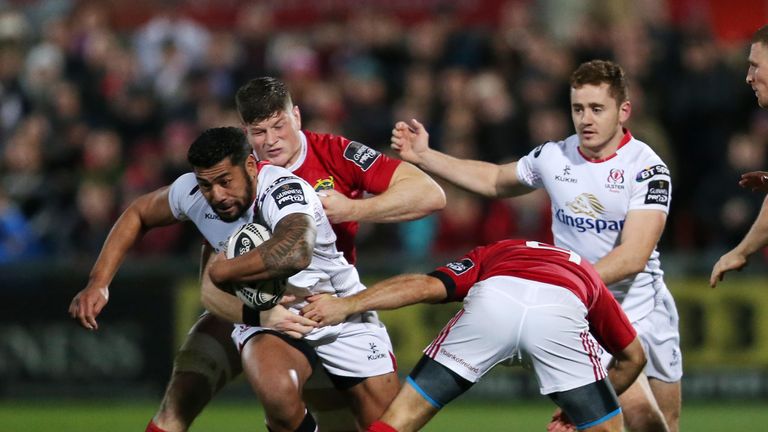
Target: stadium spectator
[[610, 196], [18, 241], [392, 54], [724, 208]]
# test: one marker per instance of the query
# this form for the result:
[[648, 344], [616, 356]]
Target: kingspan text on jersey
[[583, 224]]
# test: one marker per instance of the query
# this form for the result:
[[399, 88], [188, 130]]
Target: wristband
[[251, 317]]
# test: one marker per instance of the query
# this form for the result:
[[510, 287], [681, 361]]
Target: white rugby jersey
[[590, 201], [278, 194]]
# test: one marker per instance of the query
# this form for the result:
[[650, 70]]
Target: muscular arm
[[391, 293], [626, 365], [286, 253], [411, 194], [146, 212], [229, 308], [487, 179], [736, 259], [641, 232]]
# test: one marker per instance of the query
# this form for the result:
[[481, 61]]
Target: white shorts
[[658, 333], [521, 321], [360, 349]]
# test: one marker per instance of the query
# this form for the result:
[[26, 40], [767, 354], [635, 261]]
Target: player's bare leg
[[371, 397], [613, 424], [641, 412], [206, 361], [669, 397], [329, 406], [409, 411], [277, 372]]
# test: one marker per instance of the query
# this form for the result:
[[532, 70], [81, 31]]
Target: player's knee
[[372, 396], [645, 419], [329, 406], [204, 356], [279, 393], [200, 368], [303, 422], [283, 411], [281, 390], [185, 397], [673, 420], [187, 393]]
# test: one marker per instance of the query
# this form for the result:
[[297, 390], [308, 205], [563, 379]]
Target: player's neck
[[607, 149]]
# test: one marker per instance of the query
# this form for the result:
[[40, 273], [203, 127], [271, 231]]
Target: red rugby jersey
[[351, 168], [543, 263]]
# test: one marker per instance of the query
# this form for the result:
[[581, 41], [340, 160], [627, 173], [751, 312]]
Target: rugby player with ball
[[228, 188]]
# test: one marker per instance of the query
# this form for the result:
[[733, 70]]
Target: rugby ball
[[260, 295]]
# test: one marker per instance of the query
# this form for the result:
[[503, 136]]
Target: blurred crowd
[[100, 99]]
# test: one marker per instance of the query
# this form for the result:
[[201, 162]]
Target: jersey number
[[572, 256]]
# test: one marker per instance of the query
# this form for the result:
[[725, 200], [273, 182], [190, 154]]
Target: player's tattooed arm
[[290, 249], [286, 253]]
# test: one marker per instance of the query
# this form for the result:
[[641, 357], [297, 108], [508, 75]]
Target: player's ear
[[296, 115], [251, 166], [625, 110]]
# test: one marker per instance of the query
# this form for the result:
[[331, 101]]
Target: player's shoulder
[[644, 162], [339, 149], [185, 185], [325, 142], [553, 149], [270, 175], [641, 152], [185, 198]]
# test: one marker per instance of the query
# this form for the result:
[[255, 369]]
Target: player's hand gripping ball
[[260, 295]]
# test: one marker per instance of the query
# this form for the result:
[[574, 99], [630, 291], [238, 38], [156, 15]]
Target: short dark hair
[[216, 144], [261, 98], [761, 35], [597, 72]]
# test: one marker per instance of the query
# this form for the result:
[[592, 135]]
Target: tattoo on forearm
[[290, 250]]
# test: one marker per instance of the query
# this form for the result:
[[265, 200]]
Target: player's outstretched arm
[[487, 179], [146, 212], [626, 365], [391, 293], [757, 181], [736, 259], [733, 260], [286, 253], [411, 194]]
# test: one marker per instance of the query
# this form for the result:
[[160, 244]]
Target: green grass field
[[71, 416]]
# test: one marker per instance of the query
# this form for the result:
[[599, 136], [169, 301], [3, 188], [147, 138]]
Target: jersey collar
[[302, 154], [624, 140]]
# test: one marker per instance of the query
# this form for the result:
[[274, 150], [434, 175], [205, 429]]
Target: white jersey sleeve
[[527, 170], [183, 187], [280, 193], [651, 185]]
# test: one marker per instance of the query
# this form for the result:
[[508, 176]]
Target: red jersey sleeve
[[459, 276], [365, 168], [608, 322], [377, 179]]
